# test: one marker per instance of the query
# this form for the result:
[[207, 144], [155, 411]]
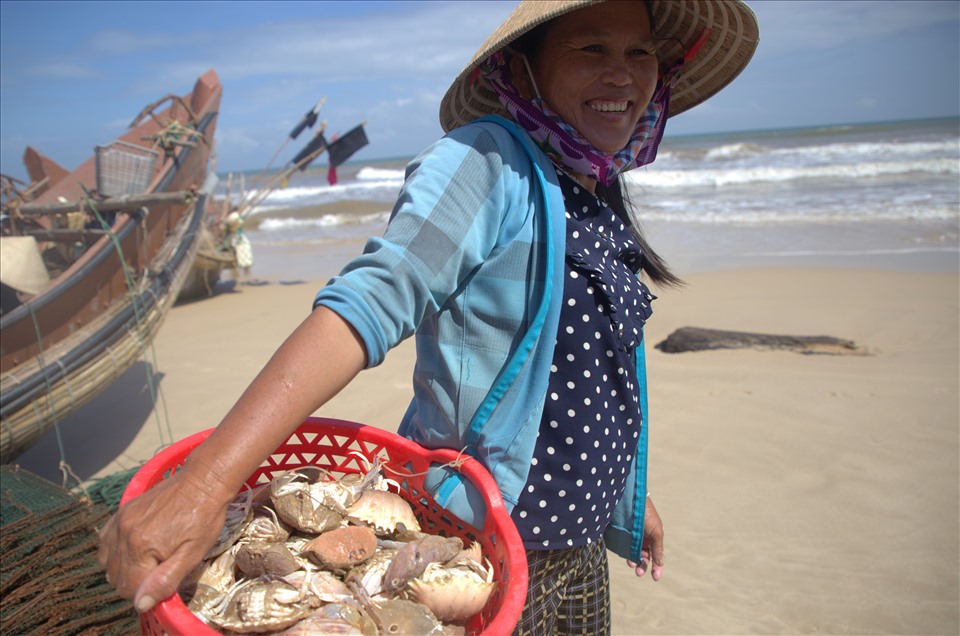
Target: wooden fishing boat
[[115, 240]]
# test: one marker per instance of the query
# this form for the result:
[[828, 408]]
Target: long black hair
[[653, 265]]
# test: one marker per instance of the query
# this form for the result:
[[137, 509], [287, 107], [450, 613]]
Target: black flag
[[307, 122], [315, 148], [343, 147]]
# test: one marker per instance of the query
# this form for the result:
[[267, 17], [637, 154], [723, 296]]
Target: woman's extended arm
[[156, 539]]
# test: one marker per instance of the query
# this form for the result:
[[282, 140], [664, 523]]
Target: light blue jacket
[[472, 261]]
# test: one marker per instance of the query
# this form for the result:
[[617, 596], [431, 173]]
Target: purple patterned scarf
[[562, 143]]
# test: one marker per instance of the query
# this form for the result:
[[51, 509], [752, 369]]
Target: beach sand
[[800, 494]]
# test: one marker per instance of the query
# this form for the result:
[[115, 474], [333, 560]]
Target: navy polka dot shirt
[[591, 415]]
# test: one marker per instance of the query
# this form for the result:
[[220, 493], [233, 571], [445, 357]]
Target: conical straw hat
[[677, 24], [21, 265]]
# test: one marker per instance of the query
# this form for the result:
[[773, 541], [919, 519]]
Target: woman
[[511, 255]]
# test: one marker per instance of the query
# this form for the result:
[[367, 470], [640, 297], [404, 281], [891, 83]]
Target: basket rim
[[173, 609]]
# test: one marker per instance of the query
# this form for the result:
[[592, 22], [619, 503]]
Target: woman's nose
[[616, 71]]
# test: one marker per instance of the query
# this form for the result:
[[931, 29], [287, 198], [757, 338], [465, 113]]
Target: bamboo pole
[[261, 194], [113, 204]]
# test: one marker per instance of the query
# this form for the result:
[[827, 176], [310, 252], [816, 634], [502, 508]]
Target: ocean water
[[870, 195]]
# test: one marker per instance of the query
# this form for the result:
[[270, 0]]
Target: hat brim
[[677, 23]]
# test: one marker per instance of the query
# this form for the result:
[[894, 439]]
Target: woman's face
[[597, 68]]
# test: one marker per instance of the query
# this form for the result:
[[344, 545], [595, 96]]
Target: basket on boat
[[333, 445], [124, 168]]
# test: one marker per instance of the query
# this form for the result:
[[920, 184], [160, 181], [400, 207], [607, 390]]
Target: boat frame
[[65, 345]]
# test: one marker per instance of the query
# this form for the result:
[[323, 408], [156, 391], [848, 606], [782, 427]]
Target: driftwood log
[[699, 339]]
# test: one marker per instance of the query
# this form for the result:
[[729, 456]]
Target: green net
[[108, 490], [50, 580]]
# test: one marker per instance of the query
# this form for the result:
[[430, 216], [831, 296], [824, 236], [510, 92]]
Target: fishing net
[[108, 490], [50, 580]]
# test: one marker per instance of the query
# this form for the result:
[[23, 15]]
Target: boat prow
[[117, 237]]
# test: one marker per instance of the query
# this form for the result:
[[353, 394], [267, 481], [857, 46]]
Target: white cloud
[[418, 42], [789, 27]]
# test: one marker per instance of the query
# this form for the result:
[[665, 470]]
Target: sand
[[800, 494]]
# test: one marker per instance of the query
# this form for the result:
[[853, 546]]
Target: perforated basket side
[[343, 447]]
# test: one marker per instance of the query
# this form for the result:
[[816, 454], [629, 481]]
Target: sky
[[74, 74]]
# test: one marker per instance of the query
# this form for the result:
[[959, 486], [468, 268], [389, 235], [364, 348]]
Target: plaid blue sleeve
[[445, 223]]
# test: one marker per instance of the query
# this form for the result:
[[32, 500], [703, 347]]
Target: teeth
[[610, 107]]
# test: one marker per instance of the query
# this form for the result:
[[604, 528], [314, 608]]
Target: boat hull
[[65, 345]]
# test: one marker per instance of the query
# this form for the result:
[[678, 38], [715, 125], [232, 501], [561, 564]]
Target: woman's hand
[[155, 540], [652, 544]]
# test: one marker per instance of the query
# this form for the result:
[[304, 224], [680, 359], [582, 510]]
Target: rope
[[108, 229], [456, 464], [176, 134], [156, 392], [109, 489], [66, 381], [151, 361], [64, 467], [67, 471]]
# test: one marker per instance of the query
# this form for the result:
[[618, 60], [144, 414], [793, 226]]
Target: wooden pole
[[113, 204]]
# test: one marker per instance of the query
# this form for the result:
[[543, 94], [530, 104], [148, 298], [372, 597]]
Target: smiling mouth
[[609, 107]]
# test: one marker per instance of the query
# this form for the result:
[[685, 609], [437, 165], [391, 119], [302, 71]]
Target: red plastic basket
[[333, 444]]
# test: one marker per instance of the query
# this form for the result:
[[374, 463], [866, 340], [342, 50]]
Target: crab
[[411, 560], [265, 527], [370, 573], [453, 592], [311, 500], [239, 512], [207, 589], [258, 605], [384, 511], [297, 505], [259, 558], [396, 615], [342, 548], [271, 603], [341, 618]]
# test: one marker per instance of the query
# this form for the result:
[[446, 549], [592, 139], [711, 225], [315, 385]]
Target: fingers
[[144, 555], [105, 552], [162, 581], [656, 571], [123, 563], [641, 568]]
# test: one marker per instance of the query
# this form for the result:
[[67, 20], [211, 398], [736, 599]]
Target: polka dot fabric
[[591, 416]]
